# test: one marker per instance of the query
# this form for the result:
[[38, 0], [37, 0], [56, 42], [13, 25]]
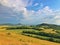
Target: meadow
[[28, 35]]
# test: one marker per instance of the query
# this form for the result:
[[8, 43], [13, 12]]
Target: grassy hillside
[[29, 35], [53, 26]]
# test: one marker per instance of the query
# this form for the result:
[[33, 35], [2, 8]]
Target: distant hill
[[44, 25], [53, 26], [11, 24]]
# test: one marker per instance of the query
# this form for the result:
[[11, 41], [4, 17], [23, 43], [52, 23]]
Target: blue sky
[[54, 4], [30, 11]]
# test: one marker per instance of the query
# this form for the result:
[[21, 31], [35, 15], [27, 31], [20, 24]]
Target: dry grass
[[18, 39], [49, 31]]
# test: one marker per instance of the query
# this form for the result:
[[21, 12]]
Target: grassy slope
[[17, 39]]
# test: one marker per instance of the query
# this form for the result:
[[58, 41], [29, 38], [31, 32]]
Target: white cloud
[[36, 4], [48, 15], [4, 1], [17, 4], [45, 14], [57, 17], [57, 21], [46, 10]]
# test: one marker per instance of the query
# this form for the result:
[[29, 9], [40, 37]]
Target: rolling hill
[[30, 35]]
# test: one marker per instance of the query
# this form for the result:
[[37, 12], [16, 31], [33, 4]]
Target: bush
[[43, 34], [19, 27], [43, 37], [8, 33]]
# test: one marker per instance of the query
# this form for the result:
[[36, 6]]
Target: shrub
[[8, 33]]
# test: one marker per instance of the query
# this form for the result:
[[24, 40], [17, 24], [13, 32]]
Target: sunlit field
[[15, 37]]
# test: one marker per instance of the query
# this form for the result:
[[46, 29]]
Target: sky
[[30, 11]]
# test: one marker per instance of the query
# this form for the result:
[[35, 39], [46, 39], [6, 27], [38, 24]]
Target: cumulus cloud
[[57, 21], [57, 17], [17, 4], [36, 4], [18, 8], [19, 11], [46, 15]]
